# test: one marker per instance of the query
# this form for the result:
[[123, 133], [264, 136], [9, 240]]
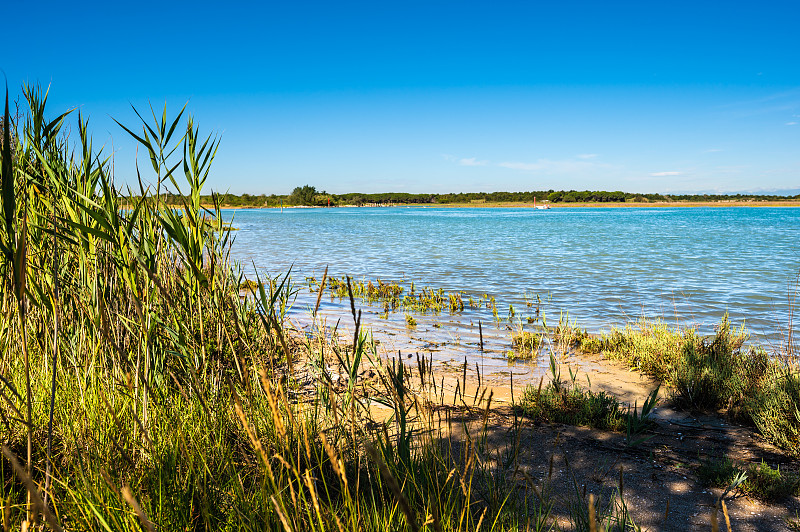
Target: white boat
[[540, 207]]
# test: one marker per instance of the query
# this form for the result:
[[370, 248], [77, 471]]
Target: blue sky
[[438, 96]]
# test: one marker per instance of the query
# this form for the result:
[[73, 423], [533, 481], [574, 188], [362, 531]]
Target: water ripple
[[604, 266]]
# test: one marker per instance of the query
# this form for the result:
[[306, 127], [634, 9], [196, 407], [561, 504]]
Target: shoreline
[[512, 205]]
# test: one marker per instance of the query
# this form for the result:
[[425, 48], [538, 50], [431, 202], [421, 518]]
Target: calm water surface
[[605, 266]]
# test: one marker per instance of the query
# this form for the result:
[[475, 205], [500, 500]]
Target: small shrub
[[710, 375], [774, 408], [591, 345]]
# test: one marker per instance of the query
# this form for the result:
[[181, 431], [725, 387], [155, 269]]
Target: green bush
[[591, 345], [713, 374], [770, 484], [773, 408]]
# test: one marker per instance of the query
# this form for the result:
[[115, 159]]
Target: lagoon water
[[604, 266]]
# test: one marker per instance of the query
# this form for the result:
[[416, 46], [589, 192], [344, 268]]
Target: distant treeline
[[309, 195]]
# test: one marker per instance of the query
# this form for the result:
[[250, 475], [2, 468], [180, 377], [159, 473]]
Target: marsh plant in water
[[395, 296]]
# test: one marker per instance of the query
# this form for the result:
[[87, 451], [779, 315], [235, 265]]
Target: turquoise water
[[604, 266]]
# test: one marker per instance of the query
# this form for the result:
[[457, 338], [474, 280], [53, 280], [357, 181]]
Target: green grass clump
[[763, 482], [574, 406], [718, 473], [568, 335], [712, 373], [650, 346], [571, 404], [771, 484]]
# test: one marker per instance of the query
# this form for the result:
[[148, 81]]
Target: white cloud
[[472, 161], [587, 156], [791, 123], [713, 150], [664, 174]]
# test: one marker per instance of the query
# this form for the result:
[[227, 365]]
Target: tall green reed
[[171, 398]]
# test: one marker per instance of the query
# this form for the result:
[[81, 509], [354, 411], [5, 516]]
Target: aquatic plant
[[525, 343], [394, 297], [455, 302], [567, 335]]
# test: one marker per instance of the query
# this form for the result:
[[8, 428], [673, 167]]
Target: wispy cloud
[[464, 161], [780, 102], [587, 156], [791, 123], [472, 161], [521, 166], [791, 94], [556, 167], [713, 150], [664, 174]]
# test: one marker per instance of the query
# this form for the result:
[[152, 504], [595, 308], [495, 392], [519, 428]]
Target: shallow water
[[604, 266]]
